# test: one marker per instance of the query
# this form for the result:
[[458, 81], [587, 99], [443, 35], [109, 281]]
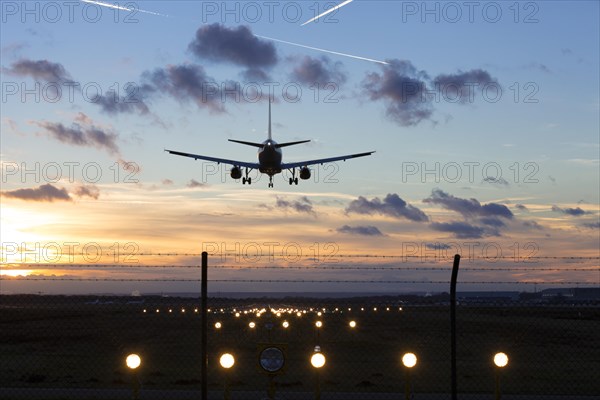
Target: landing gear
[[270, 181], [247, 178], [293, 179]]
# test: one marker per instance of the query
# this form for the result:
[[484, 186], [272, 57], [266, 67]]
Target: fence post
[[204, 328], [453, 323]]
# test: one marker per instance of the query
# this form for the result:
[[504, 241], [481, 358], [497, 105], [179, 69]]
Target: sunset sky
[[484, 118]]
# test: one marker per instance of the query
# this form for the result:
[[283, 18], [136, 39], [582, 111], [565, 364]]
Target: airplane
[[269, 160]]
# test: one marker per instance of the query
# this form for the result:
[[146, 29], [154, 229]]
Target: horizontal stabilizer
[[260, 145], [279, 145]]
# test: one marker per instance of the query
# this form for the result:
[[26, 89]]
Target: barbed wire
[[333, 256], [305, 281], [297, 267]]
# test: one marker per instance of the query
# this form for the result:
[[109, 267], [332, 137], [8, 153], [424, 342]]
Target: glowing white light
[[251, 325], [227, 361], [501, 360], [286, 324], [352, 324], [317, 360], [409, 360], [318, 324], [218, 325], [133, 361]]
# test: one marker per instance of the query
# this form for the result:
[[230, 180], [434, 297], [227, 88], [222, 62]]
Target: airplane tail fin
[[270, 118]]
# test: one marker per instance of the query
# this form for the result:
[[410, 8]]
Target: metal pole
[[453, 323], [204, 355]]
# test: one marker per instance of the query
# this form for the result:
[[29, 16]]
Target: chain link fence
[[58, 346]]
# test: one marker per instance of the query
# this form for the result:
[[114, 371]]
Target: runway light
[[501, 360], [286, 324], [317, 360], [409, 360], [218, 325], [227, 360], [133, 361], [251, 325], [318, 324], [352, 324]]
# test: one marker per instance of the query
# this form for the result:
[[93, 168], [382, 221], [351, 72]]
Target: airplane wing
[[324, 160], [215, 159]]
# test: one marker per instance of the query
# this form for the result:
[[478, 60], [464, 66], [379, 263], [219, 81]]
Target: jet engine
[[236, 173], [304, 173]]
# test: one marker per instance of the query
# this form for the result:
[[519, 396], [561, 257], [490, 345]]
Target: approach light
[[409, 360], [501, 360], [317, 360], [133, 361], [227, 360]]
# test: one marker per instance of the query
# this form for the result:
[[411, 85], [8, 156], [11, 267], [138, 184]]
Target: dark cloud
[[468, 207], [438, 246], [42, 70], [303, 205], [80, 134], [167, 182], [574, 212], [88, 191], [521, 207], [496, 181], [237, 46], [532, 225], [492, 221], [392, 206], [322, 70], [463, 230], [111, 103], [193, 184], [592, 225], [462, 86], [403, 89], [45, 192], [360, 230], [188, 82]]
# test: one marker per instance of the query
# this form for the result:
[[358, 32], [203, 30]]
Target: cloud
[[463, 230], [46, 192], [462, 86], [311, 70], [187, 82], [360, 230], [521, 207], [238, 46], [132, 102], [468, 207], [438, 246], [303, 205], [574, 212], [87, 191], [193, 184], [403, 89], [592, 225], [391, 206], [167, 182], [496, 181], [42, 70], [82, 132]]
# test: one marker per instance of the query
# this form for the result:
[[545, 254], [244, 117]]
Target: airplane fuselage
[[269, 158]]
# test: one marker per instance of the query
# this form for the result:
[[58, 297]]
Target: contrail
[[117, 7], [99, 3], [323, 50], [327, 12]]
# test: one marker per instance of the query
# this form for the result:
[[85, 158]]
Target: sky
[[484, 117]]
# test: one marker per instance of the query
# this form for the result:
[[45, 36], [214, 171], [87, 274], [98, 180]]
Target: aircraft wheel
[[249, 181], [291, 181], [296, 181], [243, 181]]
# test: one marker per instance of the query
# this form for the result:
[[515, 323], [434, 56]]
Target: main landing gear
[[270, 181], [247, 178], [293, 179]]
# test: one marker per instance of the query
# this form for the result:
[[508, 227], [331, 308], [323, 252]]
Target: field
[[81, 342]]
